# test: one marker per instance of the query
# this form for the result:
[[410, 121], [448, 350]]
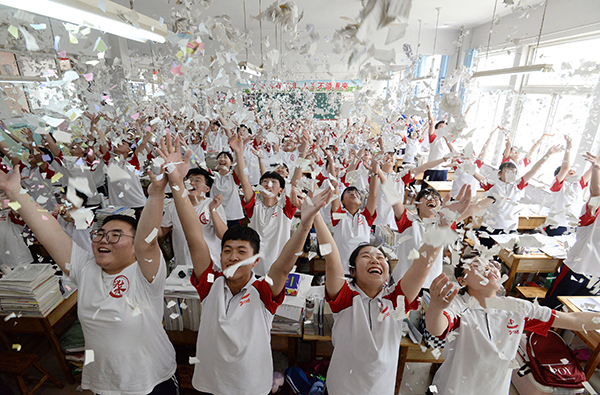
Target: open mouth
[[375, 270], [103, 250], [431, 204]]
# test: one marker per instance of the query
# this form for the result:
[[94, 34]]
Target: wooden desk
[[409, 352], [419, 177], [444, 187], [52, 326], [591, 338], [531, 222], [530, 263]]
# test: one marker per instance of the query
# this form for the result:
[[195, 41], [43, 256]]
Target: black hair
[[244, 126], [216, 122], [226, 153], [280, 164], [507, 165], [243, 233], [354, 255], [123, 218], [83, 197], [557, 171], [437, 125], [198, 171], [349, 189], [275, 176], [428, 192]]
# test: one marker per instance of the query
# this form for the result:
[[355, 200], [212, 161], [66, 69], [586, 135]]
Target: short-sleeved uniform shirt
[[366, 341], [234, 338], [503, 214], [273, 225], [121, 317], [567, 201], [228, 186], [351, 231], [584, 256], [481, 343]]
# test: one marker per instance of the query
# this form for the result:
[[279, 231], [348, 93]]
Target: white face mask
[[510, 176]]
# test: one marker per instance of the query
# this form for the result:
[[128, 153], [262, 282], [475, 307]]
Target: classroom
[[248, 197]]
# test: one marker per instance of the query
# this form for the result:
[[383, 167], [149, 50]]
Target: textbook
[[31, 290]]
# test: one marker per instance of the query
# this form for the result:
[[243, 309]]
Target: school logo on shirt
[[245, 299], [119, 287], [360, 221], [274, 215], [513, 327], [203, 219]]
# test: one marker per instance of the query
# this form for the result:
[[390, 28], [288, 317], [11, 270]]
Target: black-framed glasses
[[112, 236]]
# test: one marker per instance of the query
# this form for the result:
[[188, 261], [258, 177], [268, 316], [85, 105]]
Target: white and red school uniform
[[273, 225], [504, 213], [385, 211], [216, 141], [228, 186], [199, 156], [412, 149], [234, 338], [438, 148], [180, 246], [252, 163], [351, 231], [365, 354], [410, 224], [584, 256], [126, 192], [358, 178], [121, 316], [567, 201], [481, 343]]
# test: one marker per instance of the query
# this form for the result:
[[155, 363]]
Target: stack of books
[[289, 316], [30, 291]]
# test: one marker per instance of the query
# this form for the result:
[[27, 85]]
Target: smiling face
[[223, 162], [122, 149], [243, 133], [480, 276], [371, 268], [235, 251], [272, 185], [508, 174], [199, 187], [113, 258], [288, 144], [428, 205]]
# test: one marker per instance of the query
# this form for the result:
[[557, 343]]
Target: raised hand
[[594, 160], [296, 197], [458, 206], [569, 143], [553, 150], [170, 151], [311, 207], [216, 202], [236, 144], [442, 293]]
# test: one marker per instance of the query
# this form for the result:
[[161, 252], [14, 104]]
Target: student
[[567, 196], [121, 288], [580, 271], [226, 183], [365, 334], [270, 212], [252, 154], [503, 216], [209, 210], [438, 148], [354, 227], [513, 155], [234, 337], [481, 342]]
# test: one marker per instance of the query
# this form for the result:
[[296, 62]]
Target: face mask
[[510, 176]]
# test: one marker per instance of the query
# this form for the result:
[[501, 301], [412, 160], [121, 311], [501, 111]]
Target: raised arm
[[240, 170], [595, 180], [371, 203], [538, 165], [5, 150], [287, 258], [566, 163], [45, 227], [413, 279], [334, 271], [190, 222], [537, 145], [431, 127], [507, 148], [442, 293], [148, 253], [486, 146], [426, 166]]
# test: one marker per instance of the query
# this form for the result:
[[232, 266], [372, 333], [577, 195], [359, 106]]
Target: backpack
[[552, 361]]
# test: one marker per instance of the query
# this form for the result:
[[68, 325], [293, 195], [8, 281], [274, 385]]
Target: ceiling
[[326, 15]]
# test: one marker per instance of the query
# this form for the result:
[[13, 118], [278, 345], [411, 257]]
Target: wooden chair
[[18, 364]]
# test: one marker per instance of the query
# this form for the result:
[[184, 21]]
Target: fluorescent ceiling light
[[249, 68], [514, 70], [18, 79], [117, 20]]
